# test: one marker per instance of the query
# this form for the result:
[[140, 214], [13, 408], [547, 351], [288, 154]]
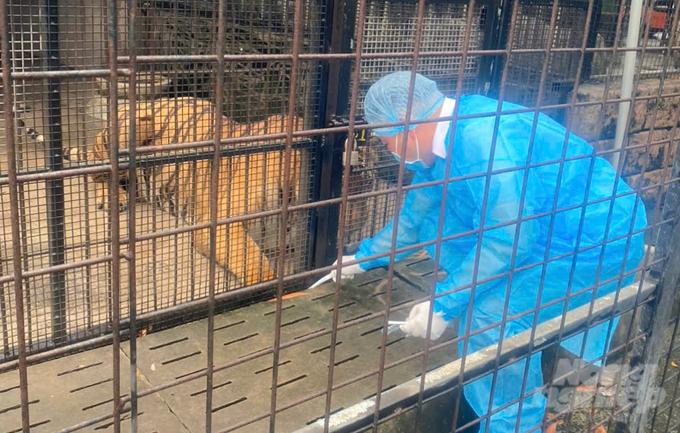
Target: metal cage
[[173, 171]]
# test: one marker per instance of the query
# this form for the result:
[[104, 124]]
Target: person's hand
[[416, 324], [347, 272]]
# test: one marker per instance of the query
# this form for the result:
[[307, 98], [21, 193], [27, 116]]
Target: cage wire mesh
[[531, 32], [68, 220], [390, 26]]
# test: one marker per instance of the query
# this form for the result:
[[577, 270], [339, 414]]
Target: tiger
[[156, 122], [248, 182]]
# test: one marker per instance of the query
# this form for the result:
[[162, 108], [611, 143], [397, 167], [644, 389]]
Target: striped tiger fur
[[247, 182]]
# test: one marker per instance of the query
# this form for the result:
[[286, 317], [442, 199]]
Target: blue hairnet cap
[[387, 98]]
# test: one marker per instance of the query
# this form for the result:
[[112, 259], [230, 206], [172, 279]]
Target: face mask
[[414, 165]]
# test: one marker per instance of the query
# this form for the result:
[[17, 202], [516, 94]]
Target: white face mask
[[417, 164]]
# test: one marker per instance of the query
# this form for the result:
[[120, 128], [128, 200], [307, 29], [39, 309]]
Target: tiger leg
[[101, 194], [256, 267], [232, 256]]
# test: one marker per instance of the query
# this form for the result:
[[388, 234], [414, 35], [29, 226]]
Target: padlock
[[354, 156]]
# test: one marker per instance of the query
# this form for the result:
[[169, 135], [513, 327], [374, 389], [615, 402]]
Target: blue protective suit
[[418, 222]]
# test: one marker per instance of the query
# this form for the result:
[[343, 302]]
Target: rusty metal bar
[[343, 210], [541, 86], [107, 258], [132, 215], [114, 205], [400, 182], [620, 165], [447, 169], [214, 179], [151, 59], [14, 212], [349, 56], [292, 96], [235, 294]]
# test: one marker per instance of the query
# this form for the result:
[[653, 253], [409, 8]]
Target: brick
[[586, 121], [655, 157]]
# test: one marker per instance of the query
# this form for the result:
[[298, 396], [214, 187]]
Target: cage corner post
[[55, 187], [655, 317]]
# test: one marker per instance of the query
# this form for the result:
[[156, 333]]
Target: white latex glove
[[416, 324], [347, 272]]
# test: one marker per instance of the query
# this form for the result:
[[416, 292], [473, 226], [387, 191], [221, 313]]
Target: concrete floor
[[75, 388]]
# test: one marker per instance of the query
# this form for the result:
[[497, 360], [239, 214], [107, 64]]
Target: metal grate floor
[[75, 388]]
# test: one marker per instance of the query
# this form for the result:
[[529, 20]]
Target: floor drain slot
[[2, 391], [194, 394], [231, 403], [180, 358], [107, 425], [382, 292], [309, 333], [351, 358], [230, 325], [282, 309], [189, 374], [418, 261], [371, 331], [92, 406], [269, 368], [38, 424], [366, 283], [18, 406], [391, 342], [301, 319], [91, 385], [322, 296], [357, 317], [237, 340], [84, 367], [169, 343], [253, 353], [321, 349], [288, 382], [343, 306]]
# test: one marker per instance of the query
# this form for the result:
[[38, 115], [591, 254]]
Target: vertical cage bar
[[345, 172], [398, 199], [55, 187], [132, 216], [281, 272], [214, 179], [452, 129], [114, 204], [14, 212]]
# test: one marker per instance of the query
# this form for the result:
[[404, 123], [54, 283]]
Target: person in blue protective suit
[[470, 148]]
